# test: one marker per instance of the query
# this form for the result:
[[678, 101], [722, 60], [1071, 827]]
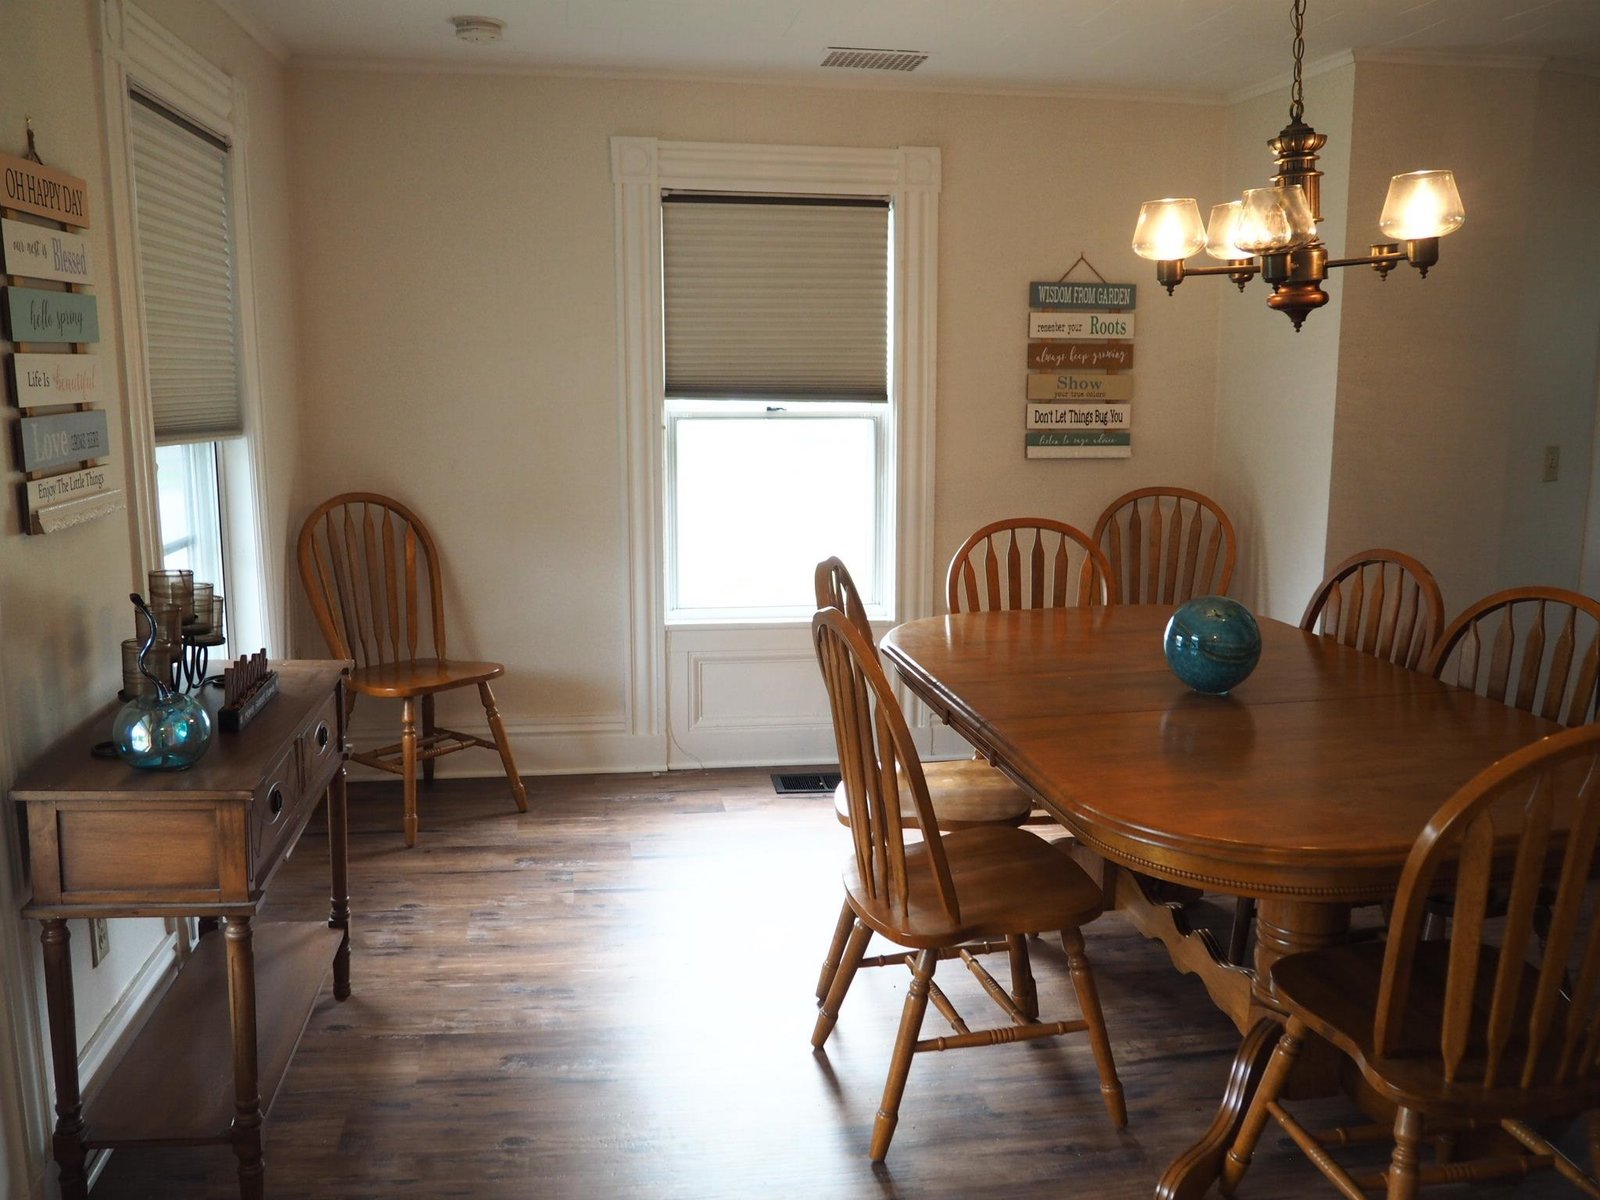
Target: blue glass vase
[[1212, 643], [168, 731]]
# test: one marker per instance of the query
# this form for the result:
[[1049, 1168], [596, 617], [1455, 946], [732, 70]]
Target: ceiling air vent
[[874, 60]]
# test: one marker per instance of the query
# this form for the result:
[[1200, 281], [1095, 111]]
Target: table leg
[[67, 1142], [1191, 1174], [339, 867], [1283, 927], [246, 1131]]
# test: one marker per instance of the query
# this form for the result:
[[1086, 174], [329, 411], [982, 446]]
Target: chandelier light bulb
[[1168, 229], [1273, 220], [1422, 204], [1220, 241]]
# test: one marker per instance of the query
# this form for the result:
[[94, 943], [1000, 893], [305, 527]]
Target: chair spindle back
[[1381, 602], [1529, 823], [876, 758], [1167, 545], [372, 573], [836, 589], [1028, 562], [1535, 648]]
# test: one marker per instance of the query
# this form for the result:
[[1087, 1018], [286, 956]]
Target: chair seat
[[964, 793], [1335, 992], [419, 676], [1009, 882]]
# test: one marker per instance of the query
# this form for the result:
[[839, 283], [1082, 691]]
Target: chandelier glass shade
[[1272, 231]]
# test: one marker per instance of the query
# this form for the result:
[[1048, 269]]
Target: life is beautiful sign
[[1080, 348]]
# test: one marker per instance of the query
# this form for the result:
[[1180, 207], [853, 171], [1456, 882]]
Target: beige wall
[[457, 292], [1450, 387], [63, 597]]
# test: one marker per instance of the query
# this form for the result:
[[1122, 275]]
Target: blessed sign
[[1081, 356], [41, 253], [33, 315], [43, 380], [29, 187]]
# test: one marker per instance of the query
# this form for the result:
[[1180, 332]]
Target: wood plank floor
[[610, 996]]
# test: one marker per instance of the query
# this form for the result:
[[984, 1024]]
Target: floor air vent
[[807, 783], [874, 60]]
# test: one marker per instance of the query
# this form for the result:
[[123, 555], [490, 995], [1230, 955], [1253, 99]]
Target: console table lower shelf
[[175, 1085]]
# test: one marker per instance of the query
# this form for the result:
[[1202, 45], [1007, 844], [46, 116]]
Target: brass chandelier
[[1272, 231]]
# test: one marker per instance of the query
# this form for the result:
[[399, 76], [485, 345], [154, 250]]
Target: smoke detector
[[478, 29]]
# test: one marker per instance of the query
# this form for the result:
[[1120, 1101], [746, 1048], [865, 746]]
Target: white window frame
[[878, 602], [139, 53], [909, 178]]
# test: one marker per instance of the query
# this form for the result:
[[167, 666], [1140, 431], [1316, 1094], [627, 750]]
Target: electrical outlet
[[99, 941], [1552, 463]]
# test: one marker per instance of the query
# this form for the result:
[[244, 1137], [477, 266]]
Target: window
[[183, 224], [778, 426]]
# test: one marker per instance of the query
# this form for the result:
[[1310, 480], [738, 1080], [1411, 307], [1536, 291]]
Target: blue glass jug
[[168, 731]]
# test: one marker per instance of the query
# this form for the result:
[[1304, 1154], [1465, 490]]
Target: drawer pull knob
[[275, 800], [322, 736]]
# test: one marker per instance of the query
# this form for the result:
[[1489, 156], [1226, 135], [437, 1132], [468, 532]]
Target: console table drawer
[[275, 812], [104, 853]]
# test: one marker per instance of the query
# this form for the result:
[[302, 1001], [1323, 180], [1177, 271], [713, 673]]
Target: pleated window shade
[[180, 179], [768, 299]]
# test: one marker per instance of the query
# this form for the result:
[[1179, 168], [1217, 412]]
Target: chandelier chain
[[1297, 104]]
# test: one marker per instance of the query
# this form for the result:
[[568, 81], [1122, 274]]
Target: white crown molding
[[255, 30], [424, 66]]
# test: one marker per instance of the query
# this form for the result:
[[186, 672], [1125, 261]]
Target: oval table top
[[1311, 780]]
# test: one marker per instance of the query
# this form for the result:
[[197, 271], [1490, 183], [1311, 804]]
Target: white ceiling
[[1205, 48]]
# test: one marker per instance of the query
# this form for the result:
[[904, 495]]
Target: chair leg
[[1403, 1167], [843, 975], [841, 934], [1089, 1002], [498, 728], [1023, 991], [408, 766], [1273, 1080], [1244, 915], [428, 726], [905, 1046]]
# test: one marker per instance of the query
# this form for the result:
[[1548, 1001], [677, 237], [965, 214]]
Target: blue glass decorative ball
[[167, 733], [1212, 643]]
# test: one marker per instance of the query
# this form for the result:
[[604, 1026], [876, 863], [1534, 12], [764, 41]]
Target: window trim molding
[[910, 177], [139, 52]]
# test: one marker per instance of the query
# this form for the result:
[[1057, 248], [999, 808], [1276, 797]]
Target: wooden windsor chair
[[371, 571], [1542, 653], [1380, 602], [1167, 545], [1028, 562], [935, 896], [965, 793], [1495, 1024]]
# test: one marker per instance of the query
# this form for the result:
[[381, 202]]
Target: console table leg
[[67, 1142], [246, 1084], [339, 864]]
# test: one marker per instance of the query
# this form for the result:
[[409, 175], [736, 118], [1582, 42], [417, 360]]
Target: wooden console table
[[108, 840]]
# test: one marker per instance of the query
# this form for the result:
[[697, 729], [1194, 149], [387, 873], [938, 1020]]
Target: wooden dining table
[[1304, 788]]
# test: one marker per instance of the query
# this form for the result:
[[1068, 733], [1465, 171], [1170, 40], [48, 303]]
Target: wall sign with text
[[1080, 343], [63, 440]]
